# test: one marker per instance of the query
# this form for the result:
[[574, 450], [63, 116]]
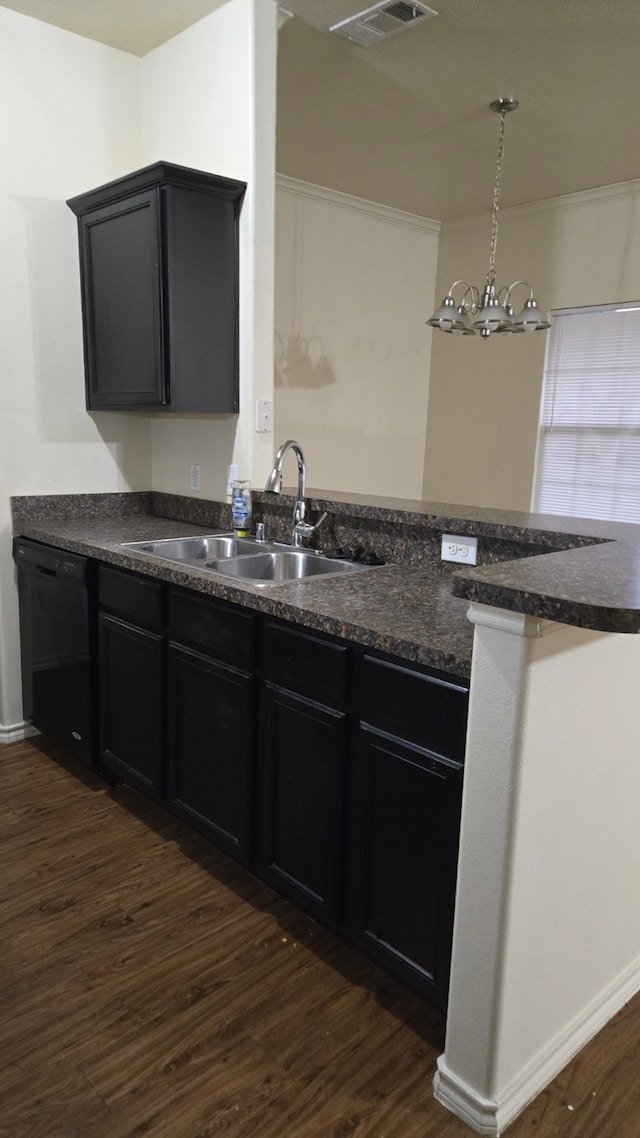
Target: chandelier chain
[[491, 275]]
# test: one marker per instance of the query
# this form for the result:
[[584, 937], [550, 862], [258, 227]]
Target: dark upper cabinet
[[159, 278]]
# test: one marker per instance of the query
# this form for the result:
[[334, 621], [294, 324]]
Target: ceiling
[[406, 121]]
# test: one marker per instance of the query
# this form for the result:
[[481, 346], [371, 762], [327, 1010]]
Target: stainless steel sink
[[244, 558], [197, 549], [278, 566]]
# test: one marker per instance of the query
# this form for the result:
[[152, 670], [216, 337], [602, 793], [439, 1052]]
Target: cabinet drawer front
[[307, 664], [133, 598], [226, 631], [421, 708]]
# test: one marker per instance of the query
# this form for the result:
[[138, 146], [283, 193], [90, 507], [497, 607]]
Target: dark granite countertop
[[590, 576], [407, 611], [596, 587]]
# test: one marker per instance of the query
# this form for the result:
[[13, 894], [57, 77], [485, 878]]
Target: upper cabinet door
[[159, 274], [123, 304]]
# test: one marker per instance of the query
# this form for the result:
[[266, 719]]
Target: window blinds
[[588, 462]]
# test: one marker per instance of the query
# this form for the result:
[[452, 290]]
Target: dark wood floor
[[149, 986]]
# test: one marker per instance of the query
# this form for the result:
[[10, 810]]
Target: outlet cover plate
[[456, 548]]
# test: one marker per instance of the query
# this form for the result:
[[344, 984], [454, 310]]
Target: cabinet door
[[405, 824], [210, 759], [122, 304], [131, 703], [301, 800]]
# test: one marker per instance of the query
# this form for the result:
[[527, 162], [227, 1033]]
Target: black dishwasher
[[57, 592]]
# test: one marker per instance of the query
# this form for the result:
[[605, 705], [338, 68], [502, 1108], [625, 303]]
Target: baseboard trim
[[492, 1118], [15, 732], [461, 1099]]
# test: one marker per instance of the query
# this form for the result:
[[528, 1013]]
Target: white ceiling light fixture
[[381, 21], [492, 310]]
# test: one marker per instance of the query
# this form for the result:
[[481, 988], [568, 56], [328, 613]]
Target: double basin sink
[[245, 559]]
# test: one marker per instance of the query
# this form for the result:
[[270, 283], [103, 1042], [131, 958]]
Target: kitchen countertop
[[415, 612], [592, 581], [407, 611]]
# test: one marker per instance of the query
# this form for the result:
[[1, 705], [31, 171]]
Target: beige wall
[[484, 396], [353, 284]]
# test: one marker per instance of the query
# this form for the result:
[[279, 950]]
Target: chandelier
[[491, 310]]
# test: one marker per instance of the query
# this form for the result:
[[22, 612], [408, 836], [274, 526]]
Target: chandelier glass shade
[[465, 311]]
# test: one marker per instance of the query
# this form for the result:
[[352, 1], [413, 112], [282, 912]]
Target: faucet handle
[[302, 531], [260, 531]]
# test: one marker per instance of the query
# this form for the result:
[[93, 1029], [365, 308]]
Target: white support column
[[546, 944], [465, 1080]]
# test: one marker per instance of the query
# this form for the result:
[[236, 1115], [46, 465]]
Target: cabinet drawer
[[307, 664], [416, 706], [226, 631], [134, 598]]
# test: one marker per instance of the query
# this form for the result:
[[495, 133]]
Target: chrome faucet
[[302, 529]]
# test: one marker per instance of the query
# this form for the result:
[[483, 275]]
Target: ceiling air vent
[[382, 20]]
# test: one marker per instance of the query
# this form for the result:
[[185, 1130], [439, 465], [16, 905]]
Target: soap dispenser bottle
[[241, 508]]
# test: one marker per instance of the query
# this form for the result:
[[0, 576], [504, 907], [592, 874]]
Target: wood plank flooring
[[150, 986]]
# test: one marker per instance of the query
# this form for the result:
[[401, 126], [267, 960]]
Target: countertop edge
[[307, 603]]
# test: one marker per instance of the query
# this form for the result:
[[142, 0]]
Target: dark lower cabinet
[[210, 747], [303, 762], [404, 842], [334, 772], [131, 677], [131, 684]]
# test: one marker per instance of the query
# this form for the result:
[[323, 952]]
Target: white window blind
[[588, 461]]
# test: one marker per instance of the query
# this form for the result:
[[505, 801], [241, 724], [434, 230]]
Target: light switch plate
[[264, 415], [456, 548], [232, 474]]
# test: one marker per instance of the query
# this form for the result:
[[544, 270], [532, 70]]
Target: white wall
[[77, 114], [583, 249], [354, 286], [69, 122], [208, 99], [547, 931]]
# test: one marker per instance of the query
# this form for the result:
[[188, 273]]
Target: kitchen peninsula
[[546, 943]]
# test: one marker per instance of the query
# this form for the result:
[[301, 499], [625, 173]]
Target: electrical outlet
[[264, 415], [232, 474], [194, 483], [455, 548]]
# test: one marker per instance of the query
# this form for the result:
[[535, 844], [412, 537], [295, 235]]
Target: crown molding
[[618, 191], [387, 213]]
